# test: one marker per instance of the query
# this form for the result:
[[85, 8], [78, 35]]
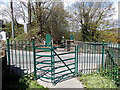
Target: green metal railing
[[101, 58], [20, 55], [112, 62], [90, 57], [52, 65]]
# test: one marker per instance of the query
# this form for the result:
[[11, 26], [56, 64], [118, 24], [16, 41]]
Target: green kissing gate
[[53, 64], [44, 61]]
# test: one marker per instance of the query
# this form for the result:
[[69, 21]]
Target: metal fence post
[[103, 50], [52, 66], [76, 60], [34, 57], [8, 53], [118, 69]]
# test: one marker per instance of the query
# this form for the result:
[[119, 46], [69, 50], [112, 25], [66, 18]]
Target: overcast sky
[[66, 4]]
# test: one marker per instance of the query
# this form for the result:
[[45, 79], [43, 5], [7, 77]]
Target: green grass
[[97, 81], [14, 82]]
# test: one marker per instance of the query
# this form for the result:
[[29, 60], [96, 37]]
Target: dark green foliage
[[8, 29], [111, 68], [112, 73], [19, 29], [91, 17], [16, 82]]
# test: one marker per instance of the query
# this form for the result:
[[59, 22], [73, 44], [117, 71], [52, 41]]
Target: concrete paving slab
[[71, 83]]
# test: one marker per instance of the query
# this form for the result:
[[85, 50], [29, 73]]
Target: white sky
[[67, 3]]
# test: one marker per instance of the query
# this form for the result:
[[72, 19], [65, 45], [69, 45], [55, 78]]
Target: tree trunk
[[39, 17], [29, 12], [11, 6]]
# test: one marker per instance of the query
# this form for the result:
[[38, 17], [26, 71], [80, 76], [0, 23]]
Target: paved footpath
[[71, 83]]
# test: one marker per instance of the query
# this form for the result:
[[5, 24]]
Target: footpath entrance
[[55, 64]]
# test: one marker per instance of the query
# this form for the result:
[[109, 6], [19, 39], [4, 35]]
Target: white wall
[[25, 27], [2, 35]]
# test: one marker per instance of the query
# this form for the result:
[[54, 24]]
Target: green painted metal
[[118, 72], [76, 60], [84, 59], [88, 66], [38, 57], [45, 67], [46, 61], [8, 51], [64, 71], [112, 63], [52, 66], [23, 56], [71, 37], [63, 62], [111, 55], [48, 40], [43, 63], [43, 70], [43, 51], [26, 56], [34, 57], [30, 57], [88, 58], [19, 54], [95, 47], [64, 46], [65, 53], [103, 50], [43, 48], [45, 55], [15, 52], [11, 53], [52, 63], [64, 65]]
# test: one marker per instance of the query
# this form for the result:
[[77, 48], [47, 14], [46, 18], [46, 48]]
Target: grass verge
[[96, 81]]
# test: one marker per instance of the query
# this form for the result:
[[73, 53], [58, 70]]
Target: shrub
[[15, 82]]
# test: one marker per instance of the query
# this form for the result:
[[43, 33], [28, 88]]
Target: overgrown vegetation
[[14, 82], [112, 73], [97, 81]]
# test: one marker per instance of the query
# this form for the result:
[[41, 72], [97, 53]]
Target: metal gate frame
[[109, 48], [52, 62]]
